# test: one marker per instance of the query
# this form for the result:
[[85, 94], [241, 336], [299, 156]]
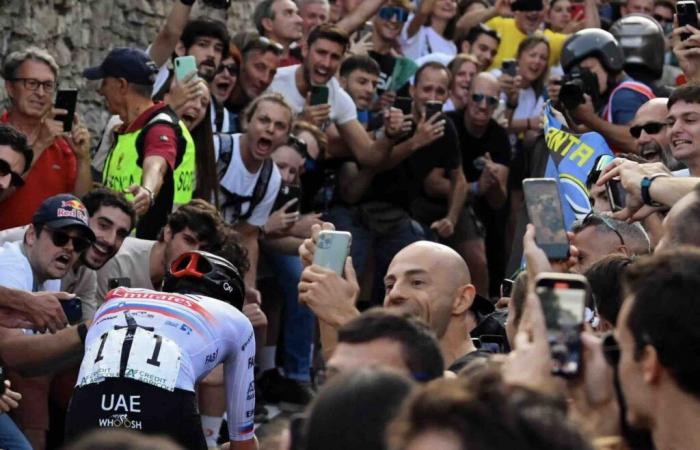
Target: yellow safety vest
[[122, 168]]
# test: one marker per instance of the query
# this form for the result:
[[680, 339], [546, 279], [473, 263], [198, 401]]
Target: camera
[[218, 4], [577, 82]]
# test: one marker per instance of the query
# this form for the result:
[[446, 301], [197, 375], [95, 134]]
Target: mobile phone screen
[[432, 108], [563, 305], [545, 213], [66, 99], [319, 95], [616, 194]]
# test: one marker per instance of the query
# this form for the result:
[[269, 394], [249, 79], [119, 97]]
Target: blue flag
[[571, 158]]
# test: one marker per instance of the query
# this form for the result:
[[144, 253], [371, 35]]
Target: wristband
[[82, 332], [150, 194], [187, 2], [645, 185]]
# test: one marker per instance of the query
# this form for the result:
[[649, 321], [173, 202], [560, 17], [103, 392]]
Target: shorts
[[131, 404], [467, 227]]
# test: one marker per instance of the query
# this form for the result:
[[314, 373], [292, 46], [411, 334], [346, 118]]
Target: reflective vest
[[123, 166]]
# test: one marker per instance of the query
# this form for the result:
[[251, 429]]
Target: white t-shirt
[[16, 272], [237, 180], [131, 261], [425, 41], [343, 109]]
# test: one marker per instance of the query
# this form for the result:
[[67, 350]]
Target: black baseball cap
[[61, 211], [135, 66]]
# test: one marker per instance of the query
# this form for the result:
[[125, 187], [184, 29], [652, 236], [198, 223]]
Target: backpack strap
[[235, 201]]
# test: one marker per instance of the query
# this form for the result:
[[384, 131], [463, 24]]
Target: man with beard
[[648, 128], [279, 21]]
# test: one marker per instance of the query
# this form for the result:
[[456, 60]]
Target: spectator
[[482, 42], [222, 87], [279, 21], [431, 29], [353, 410], [637, 6], [560, 17], [150, 142], [15, 158], [649, 130], [313, 14], [359, 77], [684, 141], [378, 338], [658, 346], [485, 160], [31, 77], [605, 277], [463, 69], [680, 223]]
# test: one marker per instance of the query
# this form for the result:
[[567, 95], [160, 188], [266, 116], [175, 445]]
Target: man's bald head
[[650, 120], [440, 257]]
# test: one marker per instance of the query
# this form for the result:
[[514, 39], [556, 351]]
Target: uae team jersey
[[172, 341]]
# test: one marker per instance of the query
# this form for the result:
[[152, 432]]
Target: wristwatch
[[646, 185]]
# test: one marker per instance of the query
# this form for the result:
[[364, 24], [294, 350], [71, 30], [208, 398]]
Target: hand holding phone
[[319, 95], [66, 99], [73, 309], [432, 107], [687, 14], [184, 65], [545, 212], [509, 67], [332, 249]]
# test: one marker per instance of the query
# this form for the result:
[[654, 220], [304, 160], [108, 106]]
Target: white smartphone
[[184, 65], [332, 249]]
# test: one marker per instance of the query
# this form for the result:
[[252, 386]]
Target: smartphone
[[286, 193], [577, 10], [546, 214], [184, 65], [319, 95], [405, 104], [616, 194], [509, 67], [114, 283], [73, 309], [332, 249], [563, 298], [432, 107], [506, 287], [687, 14], [66, 99]]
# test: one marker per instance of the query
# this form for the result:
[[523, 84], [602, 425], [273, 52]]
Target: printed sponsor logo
[[245, 344], [251, 391], [211, 358], [251, 362], [112, 402], [120, 421]]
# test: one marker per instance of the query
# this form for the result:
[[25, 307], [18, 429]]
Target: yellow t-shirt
[[511, 37]]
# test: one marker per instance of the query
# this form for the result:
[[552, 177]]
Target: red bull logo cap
[[61, 211]]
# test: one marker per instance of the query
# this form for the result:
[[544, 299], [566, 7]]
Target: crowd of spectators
[[411, 125]]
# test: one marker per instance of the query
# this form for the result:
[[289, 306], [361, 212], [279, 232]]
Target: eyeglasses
[[611, 350], [60, 238], [33, 84], [649, 128], [389, 12], [262, 43], [597, 219], [5, 170], [299, 145], [232, 69], [491, 101]]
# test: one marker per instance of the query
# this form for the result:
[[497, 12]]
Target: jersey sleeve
[[240, 383]]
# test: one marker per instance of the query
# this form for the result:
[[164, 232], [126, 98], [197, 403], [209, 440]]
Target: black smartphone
[[73, 309], [506, 287], [432, 107], [687, 14], [296, 432], [616, 194], [66, 99], [509, 67], [286, 193], [546, 214], [114, 283], [563, 298], [319, 95], [405, 104]]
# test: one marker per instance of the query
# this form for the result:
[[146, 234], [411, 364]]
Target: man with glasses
[[598, 236], [485, 160], [648, 128], [61, 160]]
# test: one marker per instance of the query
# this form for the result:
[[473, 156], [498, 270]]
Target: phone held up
[[509, 67], [66, 99], [613, 188], [332, 249], [563, 298], [184, 65], [687, 14], [545, 212], [319, 95]]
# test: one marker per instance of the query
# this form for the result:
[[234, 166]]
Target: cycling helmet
[[204, 273], [642, 41], [592, 42]]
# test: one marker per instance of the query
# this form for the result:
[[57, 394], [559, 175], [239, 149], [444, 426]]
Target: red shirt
[[53, 173], [160, 140]]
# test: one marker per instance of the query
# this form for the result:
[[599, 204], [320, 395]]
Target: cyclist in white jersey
[[146, 350]]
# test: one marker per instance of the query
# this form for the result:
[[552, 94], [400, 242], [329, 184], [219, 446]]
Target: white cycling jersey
[[172, 341]]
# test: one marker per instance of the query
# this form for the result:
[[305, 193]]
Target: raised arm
[[168, 36], [474, 18], [361, 14], [34, 355]]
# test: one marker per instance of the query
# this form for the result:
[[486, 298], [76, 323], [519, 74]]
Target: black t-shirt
[[494, 141], [400, 185]]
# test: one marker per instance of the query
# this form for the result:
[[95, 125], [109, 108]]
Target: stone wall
[[79, 33]]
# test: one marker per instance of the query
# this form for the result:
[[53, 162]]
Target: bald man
[[425, 279], [650, 132]]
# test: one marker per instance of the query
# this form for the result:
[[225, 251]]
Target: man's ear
[[180, 49], [465, 47], [464, 300], [167, 233], [30, 236], [267, 25], [343, 82], [624, 250], [651, 366]]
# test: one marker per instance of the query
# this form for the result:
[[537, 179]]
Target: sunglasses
[[17, 180], [649, 128], [232, 69], [597, 219], [491, 101], [60, 238], [389, 12], [299, 145], [611, 350], [262, 43]]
